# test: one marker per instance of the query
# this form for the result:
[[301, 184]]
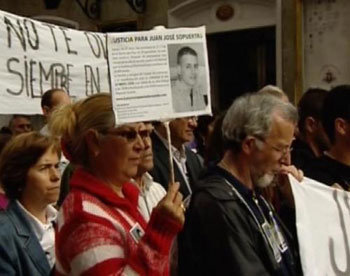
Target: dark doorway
[[240, 61]]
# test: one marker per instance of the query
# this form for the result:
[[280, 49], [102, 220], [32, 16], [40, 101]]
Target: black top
[[329, 171], [161, 169], [222, 236], [301, 155]]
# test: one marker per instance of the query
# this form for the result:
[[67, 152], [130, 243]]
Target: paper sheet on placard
[[323, 226], [159, 74], [36, 56]]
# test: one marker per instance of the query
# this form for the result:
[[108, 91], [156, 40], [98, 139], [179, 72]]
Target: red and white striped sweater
[[94, 234]]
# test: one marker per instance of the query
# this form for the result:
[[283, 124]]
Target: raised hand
[[171, 205]]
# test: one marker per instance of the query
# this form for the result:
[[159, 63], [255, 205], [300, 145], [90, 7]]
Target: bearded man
[[230, 228]]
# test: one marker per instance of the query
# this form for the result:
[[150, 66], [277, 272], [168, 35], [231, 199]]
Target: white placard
[[159, 74], [323, 225], [37, 56]]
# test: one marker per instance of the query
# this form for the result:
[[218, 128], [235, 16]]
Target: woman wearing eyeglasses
[[100, 230]]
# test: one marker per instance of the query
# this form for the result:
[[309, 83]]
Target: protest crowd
[[86, 195], [228, 213]]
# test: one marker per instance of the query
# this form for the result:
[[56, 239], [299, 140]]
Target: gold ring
[[183, 207]]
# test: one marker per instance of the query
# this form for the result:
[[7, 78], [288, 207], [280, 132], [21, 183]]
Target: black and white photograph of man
[[188, 84]]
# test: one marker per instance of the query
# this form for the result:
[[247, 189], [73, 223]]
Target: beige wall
[[111, 11], [156, 14], [119, 10], [174, 3], [247, 14], [67, 9]]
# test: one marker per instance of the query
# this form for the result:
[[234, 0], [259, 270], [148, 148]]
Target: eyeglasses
[[192, 118], [283, 151], [131, 135]]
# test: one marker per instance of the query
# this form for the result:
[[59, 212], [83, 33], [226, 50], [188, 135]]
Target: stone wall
[[111, 11]]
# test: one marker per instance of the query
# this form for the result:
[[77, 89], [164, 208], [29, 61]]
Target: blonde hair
[[72, 121]]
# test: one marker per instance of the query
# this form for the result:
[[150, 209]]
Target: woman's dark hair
[[19, 155]]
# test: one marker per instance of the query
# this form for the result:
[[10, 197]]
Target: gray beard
[[264, 180]]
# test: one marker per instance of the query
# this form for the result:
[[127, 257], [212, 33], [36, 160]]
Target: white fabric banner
[[323, 225], [159, 74], [37, 56], [155, 75]]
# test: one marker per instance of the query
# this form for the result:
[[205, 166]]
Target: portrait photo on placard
[[188, 78]]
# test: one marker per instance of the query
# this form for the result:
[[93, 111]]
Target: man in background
[[20, 124], [150, 192], [311, 140], [50, 100], [187, 165], [333, 166]]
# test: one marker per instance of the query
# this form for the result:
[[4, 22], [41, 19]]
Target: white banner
[[323, 225], [36, 56], [159, 74]]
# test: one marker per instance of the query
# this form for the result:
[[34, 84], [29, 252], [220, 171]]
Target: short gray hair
[[251, 115], [274, 91]]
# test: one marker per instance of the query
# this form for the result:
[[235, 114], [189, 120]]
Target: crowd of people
[[86, 196]]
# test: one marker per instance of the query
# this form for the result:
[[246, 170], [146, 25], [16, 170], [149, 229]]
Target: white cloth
[[45, 232], [323, 225], [150, 194]]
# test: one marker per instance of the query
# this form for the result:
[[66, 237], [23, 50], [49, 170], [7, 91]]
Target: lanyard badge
[[136, 232], [279, 236], [271, 237]]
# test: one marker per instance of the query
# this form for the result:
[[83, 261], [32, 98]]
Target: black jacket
[[301, 154], [161, 170], [329, 171], [221, 237]]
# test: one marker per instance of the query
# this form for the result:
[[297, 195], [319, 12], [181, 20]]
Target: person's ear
[[310, 124], [248, 145], [92, 142], [340, 126], [46, 110]]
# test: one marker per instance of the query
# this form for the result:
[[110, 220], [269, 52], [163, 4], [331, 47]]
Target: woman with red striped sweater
[[100, 230]]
